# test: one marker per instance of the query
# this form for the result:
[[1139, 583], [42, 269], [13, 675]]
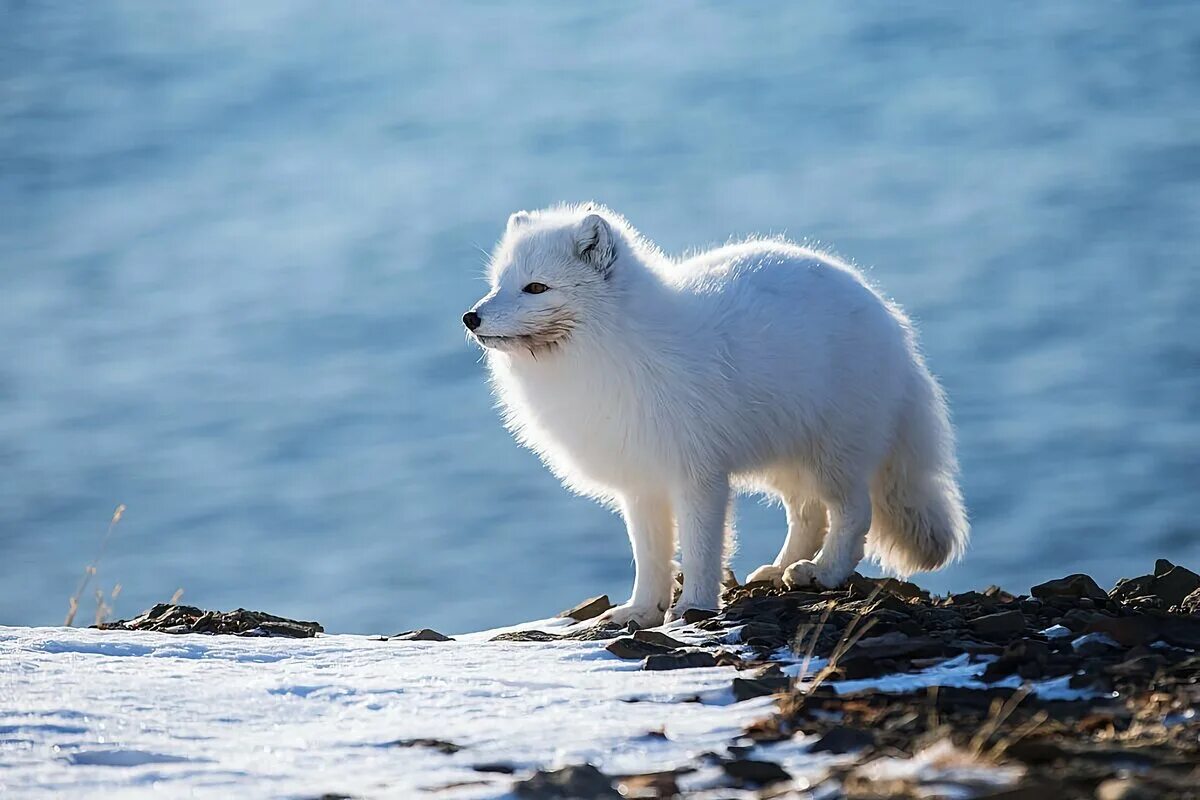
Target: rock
[[658, 638], [680, 660], [1077, 585], [1126, 631], [1004, 623], [442, 746], [694, 615], [1129, 588], [1139, 666], [652, 784], [588, 609], [897, 645], [749, 688], [1191, 603], [1162, 567], [422, 635], [635, 649], [840, 740], [1174, 585], [176, 619], [525, 636], [1094, 644], [497, 767], [582, 782], [1124, 789], [753, 771]]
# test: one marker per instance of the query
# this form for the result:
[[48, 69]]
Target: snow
[[123, 714], [96, 714]]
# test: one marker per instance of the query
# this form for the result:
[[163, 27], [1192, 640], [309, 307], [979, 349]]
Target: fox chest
[[607, 433]]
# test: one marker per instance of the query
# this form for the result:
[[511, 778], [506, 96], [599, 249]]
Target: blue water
[[236, 240]]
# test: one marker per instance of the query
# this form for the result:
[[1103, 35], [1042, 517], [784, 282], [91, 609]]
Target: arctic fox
[[660, 386]]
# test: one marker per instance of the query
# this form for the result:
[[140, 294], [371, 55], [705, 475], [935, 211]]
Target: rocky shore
[[1069, 691]]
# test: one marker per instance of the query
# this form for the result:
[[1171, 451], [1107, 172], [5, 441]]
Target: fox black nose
[[472, 320]]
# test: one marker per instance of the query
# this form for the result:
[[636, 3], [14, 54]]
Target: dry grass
[[90, 570]]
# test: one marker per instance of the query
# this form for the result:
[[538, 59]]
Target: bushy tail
[[918, 519]]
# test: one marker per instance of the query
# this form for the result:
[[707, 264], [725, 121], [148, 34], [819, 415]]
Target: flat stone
[[755, 771], [749, 688], [694, 615], [440, 745], [1004, 623], [497, 767], [635, 649], [1077, 585], [658, 638], [588, 609], [680, 660], [422, 635]]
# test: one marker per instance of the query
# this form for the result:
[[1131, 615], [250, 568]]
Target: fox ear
[[595, 243], [518, 220]]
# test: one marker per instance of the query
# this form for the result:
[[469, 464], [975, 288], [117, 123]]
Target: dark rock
[[1077, 585], [1095, 644], [1004, 623], [175, 619], [1028, 650], [442, 746], [842, 739], [897, 645], [635, 649], [1140, 666], [694, 615], [679, 660], [756, 772], [1174, 585], [1180, 631], [658, 638], [1126, 631], [582, 782], [422, 635], [748, 688], [588, 609], [1162, 567], [1129, 588], [497, 767]]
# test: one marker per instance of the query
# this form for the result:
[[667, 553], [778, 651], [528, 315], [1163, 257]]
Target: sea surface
[[236, 240]]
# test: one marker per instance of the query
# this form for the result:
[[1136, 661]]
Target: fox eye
[[535, 288]]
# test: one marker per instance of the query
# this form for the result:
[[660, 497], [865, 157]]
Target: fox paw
[[804, 574], [644, 616], [768, 573]]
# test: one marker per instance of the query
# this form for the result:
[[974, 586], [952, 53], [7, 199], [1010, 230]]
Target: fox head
[[552, 277]]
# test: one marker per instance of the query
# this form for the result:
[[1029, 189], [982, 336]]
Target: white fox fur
[[660, 386]]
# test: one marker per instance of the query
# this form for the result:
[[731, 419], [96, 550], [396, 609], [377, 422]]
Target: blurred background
[[236, 240]]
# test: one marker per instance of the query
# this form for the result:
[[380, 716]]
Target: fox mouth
[[535, 343]]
